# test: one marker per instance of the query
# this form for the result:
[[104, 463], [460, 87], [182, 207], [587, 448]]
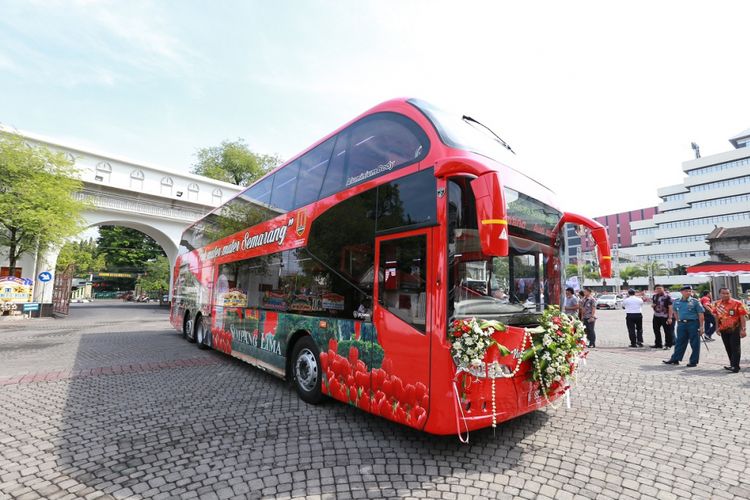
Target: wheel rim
[[306, 370], [199, 333], [189, 328]]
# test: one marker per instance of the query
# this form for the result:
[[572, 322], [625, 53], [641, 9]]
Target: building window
[[217, 195], [167, 184], [136, 180], [103, 172], [193, 190]]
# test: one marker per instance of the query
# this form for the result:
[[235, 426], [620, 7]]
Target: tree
[[634, 271], [156, 276], [37, 204], [233, 162], [126, 249], [80, 257]]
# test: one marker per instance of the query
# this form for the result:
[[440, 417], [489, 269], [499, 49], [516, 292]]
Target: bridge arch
[[154, 200]]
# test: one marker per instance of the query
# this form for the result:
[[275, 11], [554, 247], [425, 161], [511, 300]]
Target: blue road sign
[[45, 276], [31, 306]]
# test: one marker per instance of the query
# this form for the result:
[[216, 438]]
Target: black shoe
[[736, 369], [670, 362], [633, 345], [691, 365], [668, 347], [730, 368], [655, 346], [640, 344]]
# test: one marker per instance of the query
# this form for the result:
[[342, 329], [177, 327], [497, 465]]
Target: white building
[[715, 192]]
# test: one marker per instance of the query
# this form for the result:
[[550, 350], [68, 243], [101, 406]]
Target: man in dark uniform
[[689, 328]]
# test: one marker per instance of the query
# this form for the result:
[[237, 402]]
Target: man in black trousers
[[661, 302], [634, 318]]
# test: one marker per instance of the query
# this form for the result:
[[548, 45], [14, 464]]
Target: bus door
[[402, 317]]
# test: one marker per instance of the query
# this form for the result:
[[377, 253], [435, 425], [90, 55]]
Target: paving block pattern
[[107, 406]]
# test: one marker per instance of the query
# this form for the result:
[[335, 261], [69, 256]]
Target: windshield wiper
[[472, 120]]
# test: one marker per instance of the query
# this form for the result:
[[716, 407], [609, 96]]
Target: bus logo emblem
[[301, 222]]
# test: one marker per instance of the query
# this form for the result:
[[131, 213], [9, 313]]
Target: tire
[[200, 333], [190, 329], [187, 326], [306, 371]]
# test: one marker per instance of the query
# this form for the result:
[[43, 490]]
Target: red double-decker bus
[[342, 269]]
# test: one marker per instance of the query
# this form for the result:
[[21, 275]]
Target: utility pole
[[651, 281], [616, 253], [582, 233]]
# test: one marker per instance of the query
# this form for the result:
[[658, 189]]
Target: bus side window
[[284, 186], [408, 201], [382, 144], [312, 170], [402, 282], [334, 180], [260, 192]]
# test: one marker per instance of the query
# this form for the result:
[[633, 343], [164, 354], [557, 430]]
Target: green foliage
[[571, 270], [633, 271], [126, 249], [589, 271], [37, 203], [233, 162], [80, 257], [156, 275]]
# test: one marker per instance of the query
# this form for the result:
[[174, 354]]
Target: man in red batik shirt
[[730, 324]]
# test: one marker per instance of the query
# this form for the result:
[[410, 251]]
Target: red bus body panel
[[416, 359]]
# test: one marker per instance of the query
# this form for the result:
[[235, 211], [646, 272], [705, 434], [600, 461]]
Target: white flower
[[476, 362]]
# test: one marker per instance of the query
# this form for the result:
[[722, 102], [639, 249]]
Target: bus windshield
[[513, 289]]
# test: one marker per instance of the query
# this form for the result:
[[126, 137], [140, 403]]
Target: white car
[[609, 302]]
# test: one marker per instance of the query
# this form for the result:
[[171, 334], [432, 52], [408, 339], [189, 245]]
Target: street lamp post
[[582, 233]]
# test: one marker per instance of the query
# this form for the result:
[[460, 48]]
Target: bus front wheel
[[306, 371]]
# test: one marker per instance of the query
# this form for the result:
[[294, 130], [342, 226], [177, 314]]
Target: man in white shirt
[[634, 318]]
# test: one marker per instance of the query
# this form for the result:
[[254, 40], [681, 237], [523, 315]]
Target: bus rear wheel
[[187, 326], [200, 333], [306, 371]]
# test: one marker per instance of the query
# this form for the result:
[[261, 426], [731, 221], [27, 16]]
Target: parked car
[[609, 301]]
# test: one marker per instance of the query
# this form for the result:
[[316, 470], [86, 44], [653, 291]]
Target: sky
[[600, 100]]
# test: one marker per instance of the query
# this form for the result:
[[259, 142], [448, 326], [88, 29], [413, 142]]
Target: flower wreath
[[558, 345]]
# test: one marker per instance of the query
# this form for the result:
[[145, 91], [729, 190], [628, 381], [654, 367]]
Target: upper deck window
[[312, 170], [284, 185], [374, 146]]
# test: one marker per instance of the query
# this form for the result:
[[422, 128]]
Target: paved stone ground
[[111, 403]]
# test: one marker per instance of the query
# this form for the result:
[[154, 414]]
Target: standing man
[[661, 303], [689, 328], [570, 305], [710, 321], [634, 318], [731, 321], [588, 315]]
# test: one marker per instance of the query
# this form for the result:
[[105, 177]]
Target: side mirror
[[598, 233], [491, 214]]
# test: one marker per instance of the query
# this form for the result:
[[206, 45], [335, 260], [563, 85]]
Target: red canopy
[[720, 268]]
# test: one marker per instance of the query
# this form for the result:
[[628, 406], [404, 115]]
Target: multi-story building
[[714, 193]]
